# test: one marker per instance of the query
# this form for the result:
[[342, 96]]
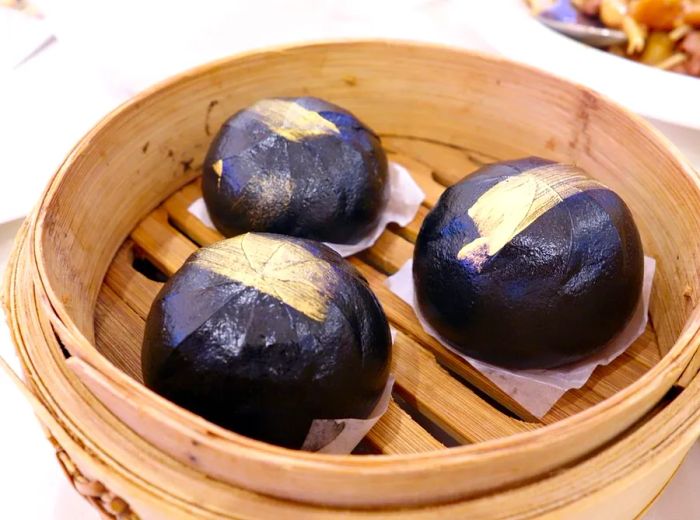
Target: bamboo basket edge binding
[[666, 456], [674, 361]]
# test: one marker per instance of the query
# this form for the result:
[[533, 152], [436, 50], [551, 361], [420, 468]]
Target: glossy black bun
[[263, 333], [296, 166], [528, 264]]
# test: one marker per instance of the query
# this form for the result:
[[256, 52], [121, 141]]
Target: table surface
[[35, 488]]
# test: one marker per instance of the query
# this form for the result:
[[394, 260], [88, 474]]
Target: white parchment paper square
[[405, 197], [341, 436], [538, 390]]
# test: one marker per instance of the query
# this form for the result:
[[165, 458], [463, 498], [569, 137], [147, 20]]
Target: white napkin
[[538, 390], [405, 197]]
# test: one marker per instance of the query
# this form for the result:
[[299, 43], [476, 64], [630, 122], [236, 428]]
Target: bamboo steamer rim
[[674, 361]]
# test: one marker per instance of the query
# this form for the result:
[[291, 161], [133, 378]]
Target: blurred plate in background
[[508, 27]]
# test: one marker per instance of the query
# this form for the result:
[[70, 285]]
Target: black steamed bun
[[528, 264], [262, 334], [296, 166]]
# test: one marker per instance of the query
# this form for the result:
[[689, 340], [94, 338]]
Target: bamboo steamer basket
[[115, 216]]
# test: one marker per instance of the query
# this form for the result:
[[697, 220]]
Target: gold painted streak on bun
[[273, 266], [291, 120], [509, 207], [218, 168]]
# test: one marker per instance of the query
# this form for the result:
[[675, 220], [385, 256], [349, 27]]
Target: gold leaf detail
[[509, 207], [276, 267], [291, 120], [218, 168]]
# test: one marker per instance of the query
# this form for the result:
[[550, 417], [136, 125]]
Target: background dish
[[508, 27]]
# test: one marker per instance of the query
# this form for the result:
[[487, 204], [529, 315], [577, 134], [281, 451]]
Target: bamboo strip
[[119, 333], [410, 232], [446, 401], [124, 280], [447, 163]]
